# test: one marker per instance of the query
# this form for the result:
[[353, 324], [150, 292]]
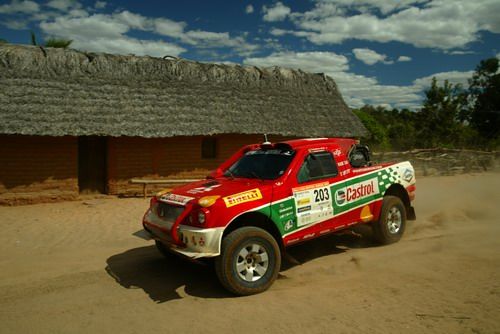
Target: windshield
[[262, 164]]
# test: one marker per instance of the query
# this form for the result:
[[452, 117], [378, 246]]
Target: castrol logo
[[357, 191]]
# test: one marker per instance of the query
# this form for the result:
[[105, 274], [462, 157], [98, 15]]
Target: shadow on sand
[[165, 279]]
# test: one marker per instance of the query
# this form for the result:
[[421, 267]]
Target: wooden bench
[[145, 182]]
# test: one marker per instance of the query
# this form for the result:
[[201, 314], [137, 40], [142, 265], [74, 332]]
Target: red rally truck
[[269, 196]]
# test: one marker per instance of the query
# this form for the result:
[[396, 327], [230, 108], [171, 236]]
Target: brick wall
[[44, 169], [34, 169], [173, 158]]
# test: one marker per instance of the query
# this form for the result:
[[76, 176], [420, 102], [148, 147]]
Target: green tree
[[390, 129], [33, 38], [52, 42], [438, 120], [401, 129], [377, 137], [58, 43], [484, 89], [3, 41]]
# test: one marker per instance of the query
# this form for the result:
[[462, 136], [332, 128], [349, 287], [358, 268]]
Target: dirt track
[[75, 267]]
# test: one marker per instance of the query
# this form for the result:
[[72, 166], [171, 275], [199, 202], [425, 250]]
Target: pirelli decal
[[246, 196]]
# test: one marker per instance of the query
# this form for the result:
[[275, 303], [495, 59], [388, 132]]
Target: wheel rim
[[252, 262], [394, 220]]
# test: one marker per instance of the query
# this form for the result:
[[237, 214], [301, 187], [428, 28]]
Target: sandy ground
[[75, 267]]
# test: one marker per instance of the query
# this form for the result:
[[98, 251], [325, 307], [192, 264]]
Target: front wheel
[[392, 221], [250, 261]]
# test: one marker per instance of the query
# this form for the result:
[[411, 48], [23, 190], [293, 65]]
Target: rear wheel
[[392, 221], [250, 261]]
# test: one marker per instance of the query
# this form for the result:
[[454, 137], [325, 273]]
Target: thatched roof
[[67, 92]]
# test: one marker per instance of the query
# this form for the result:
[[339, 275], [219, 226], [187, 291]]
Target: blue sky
[[380, 52]]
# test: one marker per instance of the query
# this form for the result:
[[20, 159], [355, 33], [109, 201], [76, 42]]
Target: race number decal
[[313, 203]]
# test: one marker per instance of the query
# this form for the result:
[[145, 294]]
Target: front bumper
[[196, 242]]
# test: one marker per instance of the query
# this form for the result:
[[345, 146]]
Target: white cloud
[[203, 39], [111, 31], [170, 28], [460, 52], [315, 62], [77, 13], [276, 13], [249, 9], [16, 24], [370, 57], [103, 33], [90, 27], [404, 58], [438, 24], [134, 21], [356, 89], [128, 45], [382, 6], [19, 7], [63, 5], [321, 10], [100, 4], [453, 77]]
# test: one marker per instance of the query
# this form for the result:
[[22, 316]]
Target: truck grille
[[168, 212]]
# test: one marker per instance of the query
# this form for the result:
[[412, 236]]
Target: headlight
[[201, 217]]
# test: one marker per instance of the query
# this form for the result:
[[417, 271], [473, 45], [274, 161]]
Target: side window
[[317, 166]]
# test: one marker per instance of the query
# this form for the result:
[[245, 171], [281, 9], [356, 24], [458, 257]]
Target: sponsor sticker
[[408, 175], [340, 196], [313, 203], [205, 188], [345, 172], [357, 191], [243, 197], [304, 209], [303, 201], [201, 242], [176, 199]]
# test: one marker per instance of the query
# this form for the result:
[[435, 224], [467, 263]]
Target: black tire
[[236, 273], [392, 221]]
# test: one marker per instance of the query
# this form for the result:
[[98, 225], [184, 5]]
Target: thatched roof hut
[[73, 122], [57, 92]]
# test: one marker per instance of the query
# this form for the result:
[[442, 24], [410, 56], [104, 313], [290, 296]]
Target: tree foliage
[[52, 42], [33, 38], [58, 43], [438, 120], [451, 116], [484, 115]]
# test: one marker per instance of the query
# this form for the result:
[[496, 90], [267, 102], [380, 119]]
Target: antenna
[[266, 142]]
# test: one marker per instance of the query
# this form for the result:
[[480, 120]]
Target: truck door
[[313, 196]]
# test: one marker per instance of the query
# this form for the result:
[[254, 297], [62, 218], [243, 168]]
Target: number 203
[[321, 195]]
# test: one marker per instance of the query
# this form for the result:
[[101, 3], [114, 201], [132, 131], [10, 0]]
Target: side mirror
[[358, 159], [359, 156]]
